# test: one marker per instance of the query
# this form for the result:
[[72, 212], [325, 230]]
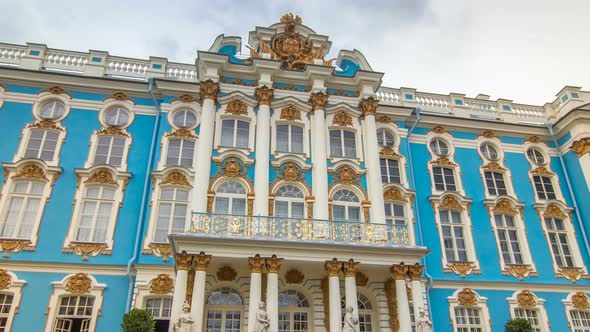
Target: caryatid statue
[[184, 322], [423, 324], [350, 321], [262, 322]]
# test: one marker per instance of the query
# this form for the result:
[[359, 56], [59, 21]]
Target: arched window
[[24, 203], [224, 310], [385, 138], [346, 206], [365, 314], [294, 312], [159, 308], [289, 202], [42, 144], [230, 198], [95, 213], [172, 213], [74, 314]]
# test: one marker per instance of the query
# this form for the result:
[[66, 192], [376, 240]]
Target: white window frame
[[224, 308], [179, 105], [444, 182], [45, 97], [570, 306], [388, 170], [26, 198], [174, 202], [143, 286], [451, 164], [291, 310], [290, 201], [250, 117], [342, 143], [231, 196], [522, 239], [16, 290], [356, 127], [481, 305], [94, 147], [59, 291], [347, 205], [543, 180], [539, 307], [495, 183], [162, 298], [290, 126], [407, 208], [166, 143], [385, 131], [304, 122]]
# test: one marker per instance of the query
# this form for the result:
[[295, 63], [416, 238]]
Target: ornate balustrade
[[291, 229]]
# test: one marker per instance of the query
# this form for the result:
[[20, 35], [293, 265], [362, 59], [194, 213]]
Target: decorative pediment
[[450, 203], [342, 119], [176, 178], [554, 211], [79, 283], [236, 107], [112, 130], [45, 124], [504, 206], [346, 175], [394, 194], [526, 299], [290, 113], [31, 171], [387, 151], [101, 176], [467, 297], [161, 284], [181, 133]]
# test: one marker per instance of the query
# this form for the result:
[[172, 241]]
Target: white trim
[[250, 118], [569, 307], [539, 307], [26, 136], [303, 123], [178, 105], [113, 103], [94, 146], [16, 290], [164, 148], [481, 305], [45, 97]]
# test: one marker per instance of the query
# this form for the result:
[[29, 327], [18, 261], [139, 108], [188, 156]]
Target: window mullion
[[235, 130], [42, 144], [111, 139]]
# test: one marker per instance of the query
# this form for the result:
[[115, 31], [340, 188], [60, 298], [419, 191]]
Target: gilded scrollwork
[[112, 130], [415, 271], [31, 171], [56, 90], [394, 194], [387, 151], [182, 133], [346, 175], [526, 299], [176, 178], [442, 161], [541, 170], [467, 297], [201, 262], [572, 274], [161, 284], [79, 283], [236, 107], [8, 245], [463, 269], [101, 176], [361, 279], [554, 211], [342, 119], [120, 96], [290, 113], [226, 273], [45, 124], [294, 276], [439, 130], [5, 279], [494, 166], [580, 301], [450, 202], [87, 249], [518, 271], [504, 206], [581, 147], [163, 250]]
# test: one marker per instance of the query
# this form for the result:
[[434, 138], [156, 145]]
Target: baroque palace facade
[[286, 178]]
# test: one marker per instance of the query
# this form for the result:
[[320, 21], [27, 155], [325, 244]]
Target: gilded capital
[[201, 262], [333, 267], [264, 95], [368, 106], [350, 268], [581, 146], [183, 261], [415, 271], [318, 101], [208, 90], [399, 271], [273, 264], [256, 264]]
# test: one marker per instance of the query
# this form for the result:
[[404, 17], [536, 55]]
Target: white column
[[202, 159], [273, 265], [416, 278], [350, 268], [374, 185], [200, 264], [403, 310], [333, 267], [319, 155], [255, 289], [261, 167], [183, 262]]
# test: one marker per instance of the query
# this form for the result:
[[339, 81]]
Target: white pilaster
[[319, 156], [333, 267], [350, 268], [200, 264], [403, 310], [261, 166], [415, 272], [273, 265], [183, 262], [255, 289]]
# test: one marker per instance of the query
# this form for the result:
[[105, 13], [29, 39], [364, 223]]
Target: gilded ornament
[[86, 249], [493, 166], [439, 130], [518, 271], [342, 119], [488, 134], [14, 246], [394, 194], [162, 284], [201, 262], [177, 178], [541, 170], [236, 107], [415, 271], [450, 202], [190, 285], [226, 273], [390, 291], [183, 261], [399, 271], [387, 151], [579, 300], [504, 206], [273, 264], [31, 171], [385, 119], [361, 279], [290, 17], [45, 124], [210, 200], [5, 279], [369, 106], [264, 95], [120, 96], [232, 168], [409, 293], [256, 264], [318, 100], [184, 98], [294, 276], [366, 213], [79, 283], [56, 90], [463, 269], [572, 274], [443, 161], [291, 172], [333, 267], [533, 139], [290, 113], [581, 147], [526, 299], [182, 133], [112, 130], [101, 176], [346, 175], [163, 250], [350, 268], [250, 203], [553, 211], [208, 90], [467, 297]]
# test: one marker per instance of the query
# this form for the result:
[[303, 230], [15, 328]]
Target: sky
[[523, 50]]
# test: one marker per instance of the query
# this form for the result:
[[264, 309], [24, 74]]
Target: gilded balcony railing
[[293, 229]]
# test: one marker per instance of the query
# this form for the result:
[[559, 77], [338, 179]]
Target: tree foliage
[[138, 320], [518, 325]]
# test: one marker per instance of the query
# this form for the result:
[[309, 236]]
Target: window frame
[[519, 228], [539, 307], [174, 202], [290, 126], [178, 163], [231, 197], [342, 143], [289, 201], [544, 184], [480, 304], [26, 197], [224, 308], [346, 205], [291, 310], [494, 180], [570, 305], [387, 175], [95, 140], [15, 290], [303, 121]]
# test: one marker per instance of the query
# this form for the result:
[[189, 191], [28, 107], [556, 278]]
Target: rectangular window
[[495, 183], [24, 204], [109, 150], [453, 235], [444, 179], [532, 315], [290, 139], [342, 143], [507, 233], [559, 240], [42, 144], [96, 209], [468, 319], [390, 171], [394, 214], [580, 320], [180, 152], [235, 133], [5, 305], [543, 187], [172, 213], [159, 307]]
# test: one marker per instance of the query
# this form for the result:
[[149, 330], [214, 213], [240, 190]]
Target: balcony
[[298, 230]]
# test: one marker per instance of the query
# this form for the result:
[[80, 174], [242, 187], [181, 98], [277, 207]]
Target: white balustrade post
[[202, 159], [415, 272], [333, 267], [183, 263], [350, 268], [255, 289], [319, 155], [97, 64], [368, 107], [200, 265], [403, 309], [261, 166], [33, 60], [273, 265]]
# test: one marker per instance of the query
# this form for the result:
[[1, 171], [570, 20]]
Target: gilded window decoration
[[526, 299], [182, 133], [31, 171], [45, 124], [342, 119], [519, 271], [488, 134], [450, 202], [554, 211], [438, 130], [5, 279], [56, 90], [161, 284], [79, 283], [176, 178], [384, 119], [7, 246], [184, 98], [290, 113], [504, 206], [112, 130], [87, 249], [101, 176], [394, 194], [389, 152], [226, 273], [346, 175], [163, 250], [294, 276], [467, 297], [580, 301], [463, 269], [120, 96], [236, 107]]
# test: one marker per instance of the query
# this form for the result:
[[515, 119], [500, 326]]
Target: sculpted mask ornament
[[102, 176], [342, 119], [31, 171], [237, 107], [467, 297], [291, 173], [368, 106], [581, 147], [5, 279], [385, 119], [526, 299], [450, 202], [162, 284], [393, 194], [579, 300], [290, 113], [488, 134], [232, 168], [79, 283], [346, 175]]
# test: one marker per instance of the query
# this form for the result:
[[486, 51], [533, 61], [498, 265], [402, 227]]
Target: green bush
[[138, 320], [518, 325]]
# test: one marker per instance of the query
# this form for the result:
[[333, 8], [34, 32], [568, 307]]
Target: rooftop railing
[[294, 229]]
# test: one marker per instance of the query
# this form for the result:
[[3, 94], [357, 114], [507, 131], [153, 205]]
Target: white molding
[[508, 285], [539, 307], [16, 290], [53, 267], [482, 304]]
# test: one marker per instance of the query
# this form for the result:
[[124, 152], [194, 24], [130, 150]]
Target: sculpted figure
[[262, 321], [350, 321], [184, 322], [423, 324]]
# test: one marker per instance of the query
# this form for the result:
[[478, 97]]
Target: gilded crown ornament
[[232, 168], [112, 130], [56, 90], [467, 297], [161, 284], [176, 177], [79, 283], [554, 211], [342, 119], [290, 113], [290, 172], [579, 300], [182, 133], [346, 175], [45, 124], [31, 171], [120, 96]]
